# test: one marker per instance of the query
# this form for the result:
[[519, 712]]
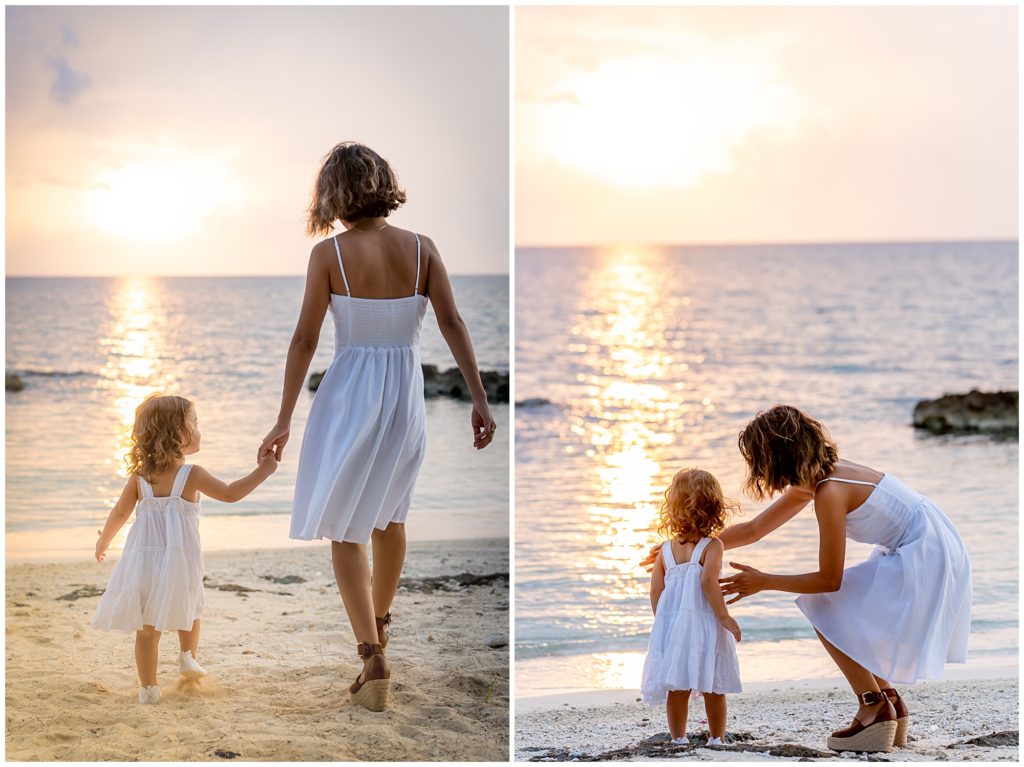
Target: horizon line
[[198, 276], [763, 243]]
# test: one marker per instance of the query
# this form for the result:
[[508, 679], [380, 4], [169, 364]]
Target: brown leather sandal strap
[[366, 650], [871, 698]]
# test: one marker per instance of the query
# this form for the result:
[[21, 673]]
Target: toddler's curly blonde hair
[[161, 431], [694, 506]]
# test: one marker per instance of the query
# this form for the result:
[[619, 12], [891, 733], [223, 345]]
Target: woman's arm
[[456, 335], [301, 349], [787, 506], [118, 516], [830, 511], [709, 585], [229, 492], [657, 583]]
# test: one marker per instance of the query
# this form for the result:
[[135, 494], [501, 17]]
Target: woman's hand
[[647, 563], [483, 425], [101, 547], [746, 583], [274, 442]]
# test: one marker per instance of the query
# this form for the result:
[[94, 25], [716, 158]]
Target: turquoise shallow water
[[635, 362], [89, 350]]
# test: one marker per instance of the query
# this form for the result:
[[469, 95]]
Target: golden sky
[[155, 140], [765, 124]]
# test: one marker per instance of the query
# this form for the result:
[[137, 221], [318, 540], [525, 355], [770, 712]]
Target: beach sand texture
[[778, 724], [280, 660]]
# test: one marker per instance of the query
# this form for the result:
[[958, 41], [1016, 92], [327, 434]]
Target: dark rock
[[533, 402], [83, 592], [284, 580], [496, 641], [450, 582], [449, 383], [13, 382], [976, 411], [995, 740], [660, 746], [226, 754]]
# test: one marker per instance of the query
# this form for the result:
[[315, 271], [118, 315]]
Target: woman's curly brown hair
[[784, 446], [694, 506], [354, 182], [161, 431]]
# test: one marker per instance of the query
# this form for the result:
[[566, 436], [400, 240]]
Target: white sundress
[[906, 611], [366, 433], [158, 581], [689, 649]]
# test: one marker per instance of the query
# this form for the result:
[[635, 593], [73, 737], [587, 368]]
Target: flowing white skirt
[[363, 445]]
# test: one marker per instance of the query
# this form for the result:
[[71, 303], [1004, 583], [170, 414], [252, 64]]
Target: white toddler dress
[[366, 434], [158, 581], [689, 649], [906, 611]]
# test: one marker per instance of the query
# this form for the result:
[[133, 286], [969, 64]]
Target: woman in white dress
[[897, 617], [366, 432]]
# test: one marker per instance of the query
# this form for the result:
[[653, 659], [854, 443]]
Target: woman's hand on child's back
[[729, 624]]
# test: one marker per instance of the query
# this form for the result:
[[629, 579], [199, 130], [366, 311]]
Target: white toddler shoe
[[715, 742], [189, 666], [683, 741], [149, 694]]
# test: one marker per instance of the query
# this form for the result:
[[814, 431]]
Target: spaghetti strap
[[179, 481], [848, 481], [145, 489], [337, 250], [416, 285], [666, 553], [699, 549]]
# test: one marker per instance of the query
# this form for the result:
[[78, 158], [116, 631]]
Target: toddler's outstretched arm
[[713, 591], [207, 484], [118, 516]]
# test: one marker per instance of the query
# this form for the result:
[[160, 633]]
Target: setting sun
[[170, 197], [665, 121]]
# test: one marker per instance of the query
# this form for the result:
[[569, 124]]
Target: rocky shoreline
[[974, 412]]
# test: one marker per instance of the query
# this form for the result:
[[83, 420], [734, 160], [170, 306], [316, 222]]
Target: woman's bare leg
[[147, 652], [715, 706], [388, 560], [678, 709], [188, 641], [352, 572], [860, 679]]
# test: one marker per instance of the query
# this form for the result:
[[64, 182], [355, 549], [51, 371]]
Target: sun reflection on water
[[135, 368], [628, 335]]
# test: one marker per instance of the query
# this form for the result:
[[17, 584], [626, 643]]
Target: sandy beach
[[280, 656], [777, 723]]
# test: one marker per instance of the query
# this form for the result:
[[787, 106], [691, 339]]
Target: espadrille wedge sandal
[[372, 688], [902, 716], [382, 629], [873, 737]]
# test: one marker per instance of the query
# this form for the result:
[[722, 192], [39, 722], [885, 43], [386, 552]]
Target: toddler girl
[[693, 642], [157, 584]]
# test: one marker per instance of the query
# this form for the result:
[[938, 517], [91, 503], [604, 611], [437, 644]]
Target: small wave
[[54, 373]]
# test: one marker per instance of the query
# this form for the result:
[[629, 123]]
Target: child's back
[[158, 580], [689, 648]]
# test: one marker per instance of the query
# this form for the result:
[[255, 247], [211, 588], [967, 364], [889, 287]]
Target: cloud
[[68, 37], [69, 83]]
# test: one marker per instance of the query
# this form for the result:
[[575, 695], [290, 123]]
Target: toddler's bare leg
[[715, 707], [147, 651], [677, 708], [189, 640]]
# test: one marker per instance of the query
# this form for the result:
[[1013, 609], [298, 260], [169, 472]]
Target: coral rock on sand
[[973, 412], [13, 382]]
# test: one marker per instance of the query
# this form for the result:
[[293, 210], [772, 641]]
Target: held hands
[[274, 442], [483, 425], [268, 461], [729, 624], [744, 584]]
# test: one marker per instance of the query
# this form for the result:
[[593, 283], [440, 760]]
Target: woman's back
[[382, 264]]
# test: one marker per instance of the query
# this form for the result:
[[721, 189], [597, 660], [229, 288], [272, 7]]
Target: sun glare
[[649, 121], [165, 199]]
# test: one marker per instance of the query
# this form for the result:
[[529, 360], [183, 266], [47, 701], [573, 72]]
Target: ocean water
[[632, 363], [89, 350]]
